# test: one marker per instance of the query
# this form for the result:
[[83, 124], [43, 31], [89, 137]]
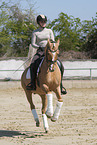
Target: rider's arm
[[33, 42]]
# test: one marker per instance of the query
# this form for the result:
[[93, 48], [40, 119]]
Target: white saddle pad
[[28, 74]]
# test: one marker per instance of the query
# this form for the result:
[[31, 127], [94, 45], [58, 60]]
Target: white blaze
[[53, 58]]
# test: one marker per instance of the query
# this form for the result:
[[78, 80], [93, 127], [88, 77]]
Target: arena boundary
[[90, 77]]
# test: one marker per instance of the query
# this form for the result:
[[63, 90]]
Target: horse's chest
[[51, 78]]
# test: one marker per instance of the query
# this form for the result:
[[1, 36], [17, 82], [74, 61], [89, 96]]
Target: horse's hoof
[[37, 124], [53, 119], [46, 130], [49, 115]]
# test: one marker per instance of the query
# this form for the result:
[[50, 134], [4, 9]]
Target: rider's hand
[[40, 48]]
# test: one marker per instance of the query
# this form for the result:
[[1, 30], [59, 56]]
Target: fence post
[[90, 73]]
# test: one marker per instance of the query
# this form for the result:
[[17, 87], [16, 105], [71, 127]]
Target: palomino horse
[[49, 79]]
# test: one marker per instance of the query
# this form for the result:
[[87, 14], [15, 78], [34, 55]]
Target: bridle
[[52, 62]]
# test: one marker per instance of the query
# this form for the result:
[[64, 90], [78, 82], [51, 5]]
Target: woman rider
[[39, 41]]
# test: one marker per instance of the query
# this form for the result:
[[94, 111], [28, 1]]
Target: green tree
[[67, 28], [90, 37], [15, 30], [4, 39]]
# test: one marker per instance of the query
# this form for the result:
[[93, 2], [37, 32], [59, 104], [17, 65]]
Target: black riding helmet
[[41, 18]]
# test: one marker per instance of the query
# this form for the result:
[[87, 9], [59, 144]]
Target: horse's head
[[51, 53]]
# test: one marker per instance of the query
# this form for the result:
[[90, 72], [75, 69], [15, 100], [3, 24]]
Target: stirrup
[[30, 86], [63, 90]]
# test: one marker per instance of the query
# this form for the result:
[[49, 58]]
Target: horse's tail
[[31, 53]]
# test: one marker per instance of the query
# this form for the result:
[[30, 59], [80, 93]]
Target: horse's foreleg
[[44, 105], [32, 106], [49, 111], [58, 105]]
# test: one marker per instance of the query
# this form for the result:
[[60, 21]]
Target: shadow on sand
[[25, 134]]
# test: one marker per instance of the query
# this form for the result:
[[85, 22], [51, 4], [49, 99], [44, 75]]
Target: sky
[[83, 9]]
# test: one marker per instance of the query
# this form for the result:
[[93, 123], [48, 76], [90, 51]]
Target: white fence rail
[[89, 75], [67, 75]]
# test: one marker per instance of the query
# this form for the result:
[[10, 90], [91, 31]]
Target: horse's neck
[[45, 65]]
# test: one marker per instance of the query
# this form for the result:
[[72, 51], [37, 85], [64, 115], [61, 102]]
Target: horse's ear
[[58, 41], [48, 44]]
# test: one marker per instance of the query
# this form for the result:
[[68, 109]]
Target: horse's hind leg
[[32, 106], [44, 105], [58, 105]]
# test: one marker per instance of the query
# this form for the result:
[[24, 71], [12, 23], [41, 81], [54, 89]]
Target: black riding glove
[[40, 48]]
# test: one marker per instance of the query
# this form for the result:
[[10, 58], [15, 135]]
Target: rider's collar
[[42, 28]]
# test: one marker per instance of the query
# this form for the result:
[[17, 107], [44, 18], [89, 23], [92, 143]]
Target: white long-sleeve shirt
[[40, 37]]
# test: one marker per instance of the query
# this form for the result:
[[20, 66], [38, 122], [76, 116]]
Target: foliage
[[16, 26], [15, 30], [67, 28], [90, 43], [74, 34]]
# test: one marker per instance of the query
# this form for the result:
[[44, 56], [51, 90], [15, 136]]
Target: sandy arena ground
[[77, 124]]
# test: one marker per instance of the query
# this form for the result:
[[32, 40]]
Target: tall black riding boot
[[63, 90], [32, 84]]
